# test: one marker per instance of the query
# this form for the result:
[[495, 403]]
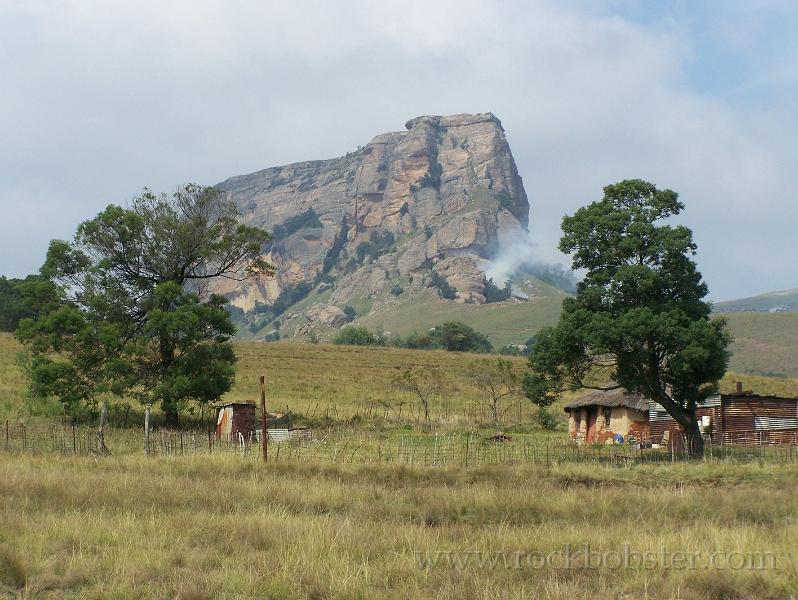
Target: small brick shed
[[235, 418]]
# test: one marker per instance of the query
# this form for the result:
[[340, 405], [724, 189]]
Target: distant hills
[[773, 302]]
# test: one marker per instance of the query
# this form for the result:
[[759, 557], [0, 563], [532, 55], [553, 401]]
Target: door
[[592, 417]]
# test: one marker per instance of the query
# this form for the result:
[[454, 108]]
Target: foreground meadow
[[222, 525], [230, 528]]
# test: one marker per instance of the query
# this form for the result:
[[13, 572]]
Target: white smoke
[[519, 250]]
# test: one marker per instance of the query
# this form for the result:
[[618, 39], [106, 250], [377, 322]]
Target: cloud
[[102, 99]]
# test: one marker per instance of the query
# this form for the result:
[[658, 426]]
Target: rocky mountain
[[411, 213]]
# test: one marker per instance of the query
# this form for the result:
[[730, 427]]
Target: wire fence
[[470, 449]]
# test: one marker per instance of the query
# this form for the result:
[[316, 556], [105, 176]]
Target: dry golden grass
[[765, 343], [225, 526], [233, 528], [344, 381]]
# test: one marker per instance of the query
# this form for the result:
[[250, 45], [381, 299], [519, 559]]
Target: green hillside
[[784, 301], [508, 322], [764, 343]]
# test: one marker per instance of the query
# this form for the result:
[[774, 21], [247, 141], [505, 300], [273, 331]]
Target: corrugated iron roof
[[610, 398]]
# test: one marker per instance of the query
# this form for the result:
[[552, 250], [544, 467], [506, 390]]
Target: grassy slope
[[764, 343], [349, 378], [503, 322]]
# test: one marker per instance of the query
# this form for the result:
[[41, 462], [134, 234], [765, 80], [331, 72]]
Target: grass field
[[198, 528], [227, 526]]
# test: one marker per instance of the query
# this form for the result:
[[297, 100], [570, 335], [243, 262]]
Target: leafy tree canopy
[[639, 319], [120, 309]]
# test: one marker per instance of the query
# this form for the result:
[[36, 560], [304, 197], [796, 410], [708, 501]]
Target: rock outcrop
[[438, 197]]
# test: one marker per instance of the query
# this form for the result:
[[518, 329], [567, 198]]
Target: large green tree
[[126, 306], [639, 320]]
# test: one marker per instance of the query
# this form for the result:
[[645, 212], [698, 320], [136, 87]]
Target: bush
[[495, 294], [547, 420], [397, 290], [272, 336], [335, 250], [455, 336], [350, 313], [444, 289], [358, 336], [420, 341], [377, 245], [290, 295], [309, 218]]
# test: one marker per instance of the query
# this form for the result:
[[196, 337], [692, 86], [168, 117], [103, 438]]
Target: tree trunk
[[692, 434], [101, 430], [688, 423], [171, 414]]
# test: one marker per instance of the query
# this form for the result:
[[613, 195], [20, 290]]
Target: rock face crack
[[446, 188]]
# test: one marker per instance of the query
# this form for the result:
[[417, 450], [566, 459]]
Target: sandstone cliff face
[[437, 197]]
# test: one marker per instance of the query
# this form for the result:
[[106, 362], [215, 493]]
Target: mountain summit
[[413, 210]]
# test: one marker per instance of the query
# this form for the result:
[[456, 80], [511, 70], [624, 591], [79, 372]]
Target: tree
[[440, 283], [499, 382], [423, 383], [639, 320], [14, 300], [124, 311], [494, 293], [355, 335], [455, 336]]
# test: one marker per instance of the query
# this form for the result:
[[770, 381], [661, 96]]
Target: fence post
[[147, 429], [264, 436]]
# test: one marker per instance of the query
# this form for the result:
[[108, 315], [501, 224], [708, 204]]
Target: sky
[[99, 99]]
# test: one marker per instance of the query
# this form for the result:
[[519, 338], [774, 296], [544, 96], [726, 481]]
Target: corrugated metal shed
[[739, 418]]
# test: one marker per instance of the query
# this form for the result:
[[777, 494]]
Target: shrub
[[455, 336], [495, 294], [547, 420], [444, 289], [335, 250], [378, 244], [358, 336], [309, 218], [290, 295], [350, 313], [272, 336], [397, 290], [419, 341]]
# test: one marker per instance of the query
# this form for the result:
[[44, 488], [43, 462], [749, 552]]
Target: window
[[607, 415]]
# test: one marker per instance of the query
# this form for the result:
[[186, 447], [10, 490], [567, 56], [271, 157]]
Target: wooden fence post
[[147, 429], [264, 436]]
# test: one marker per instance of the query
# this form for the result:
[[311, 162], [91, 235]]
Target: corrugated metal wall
[[742, 418]]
